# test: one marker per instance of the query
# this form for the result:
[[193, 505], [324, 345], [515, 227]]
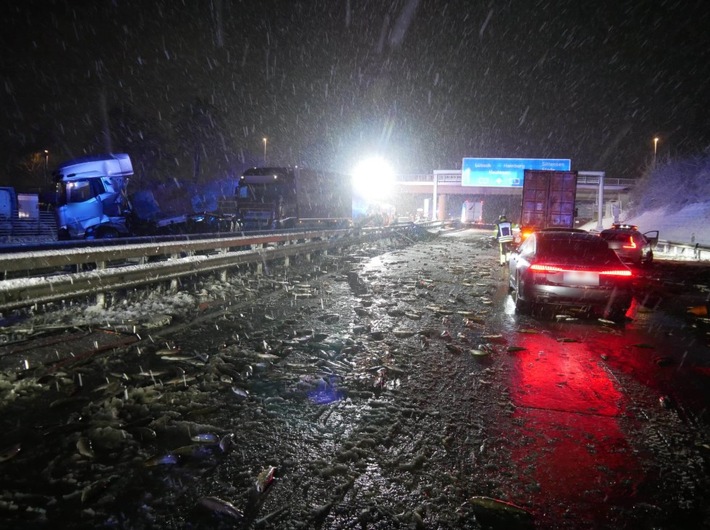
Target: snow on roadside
[[689, 225]]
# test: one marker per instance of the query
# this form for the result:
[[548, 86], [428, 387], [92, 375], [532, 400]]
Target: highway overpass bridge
[[442, 192]]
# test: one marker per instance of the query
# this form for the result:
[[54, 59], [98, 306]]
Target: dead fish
[[566, 339], [193, 451], [403, 333], [493, 338], [511, 349], [453, 348], [10, 452], [528, 330], [265, 479], [143, 433], [167, 351], [643, 345], [381, 378], [178, 358], [227, 442], [202, 411], [205, 438], [168, 459], [377, 335], [240, 392], [217, 505], [359, 311], [567, 318], [83, 445], [72, 400], [204, 357], [497, 506], [91, 491]]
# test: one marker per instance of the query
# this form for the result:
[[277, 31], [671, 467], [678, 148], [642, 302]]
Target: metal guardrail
[[46, 276], [684, 251]]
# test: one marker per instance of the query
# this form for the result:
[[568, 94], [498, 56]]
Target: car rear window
[[578, 251], [615, 236]]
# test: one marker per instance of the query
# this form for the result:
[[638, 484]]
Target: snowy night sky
[[424, 83]]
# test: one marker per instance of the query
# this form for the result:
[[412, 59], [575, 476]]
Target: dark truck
[[549, 199], [286, 197]]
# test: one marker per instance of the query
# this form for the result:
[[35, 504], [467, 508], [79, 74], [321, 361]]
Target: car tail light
[[616, 272], [541, 267], [631, 243]]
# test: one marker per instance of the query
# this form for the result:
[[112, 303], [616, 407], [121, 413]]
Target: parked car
[[570, 268], [631, 245]]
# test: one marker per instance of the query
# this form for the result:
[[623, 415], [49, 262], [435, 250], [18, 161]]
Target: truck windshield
[[80, 190], [77, 191], [259, 193]]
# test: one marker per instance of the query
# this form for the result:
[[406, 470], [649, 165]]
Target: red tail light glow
[[546, 268], [631, 243], [613, 272], [540, 267]]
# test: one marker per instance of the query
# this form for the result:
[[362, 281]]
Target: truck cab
[[262, 197], [91, 196]]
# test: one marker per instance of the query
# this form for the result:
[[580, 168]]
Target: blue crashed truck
[[93, 202]]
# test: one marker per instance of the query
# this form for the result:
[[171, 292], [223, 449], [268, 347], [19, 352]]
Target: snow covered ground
[[689, 225]]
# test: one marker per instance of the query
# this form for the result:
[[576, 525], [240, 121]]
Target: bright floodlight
[[373, 179]]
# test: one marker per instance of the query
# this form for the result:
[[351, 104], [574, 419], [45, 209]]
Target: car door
[[652, 237], [517, 260]]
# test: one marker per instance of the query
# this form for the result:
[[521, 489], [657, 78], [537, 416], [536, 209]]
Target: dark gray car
[[570, 268]]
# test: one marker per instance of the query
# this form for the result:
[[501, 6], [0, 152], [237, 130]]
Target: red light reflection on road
[[572, 451]]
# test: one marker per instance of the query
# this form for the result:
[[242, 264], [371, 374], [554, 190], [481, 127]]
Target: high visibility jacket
[[504, 231]]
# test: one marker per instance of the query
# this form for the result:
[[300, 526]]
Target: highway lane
[[563, 417]]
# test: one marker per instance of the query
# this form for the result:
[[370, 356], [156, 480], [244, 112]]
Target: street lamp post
[[46, 164], [264, 151], [655, 148]]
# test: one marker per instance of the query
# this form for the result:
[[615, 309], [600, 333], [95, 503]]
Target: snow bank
[[689, 225]]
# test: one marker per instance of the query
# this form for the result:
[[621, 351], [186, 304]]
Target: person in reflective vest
[[504, 235]]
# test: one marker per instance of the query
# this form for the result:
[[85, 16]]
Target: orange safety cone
[[698, 310]]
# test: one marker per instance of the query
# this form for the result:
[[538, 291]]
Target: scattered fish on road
[[10, 452], [217, 505], [265, 479], [500, 514]]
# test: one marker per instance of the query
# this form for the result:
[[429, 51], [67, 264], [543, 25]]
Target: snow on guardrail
[[681, 251]]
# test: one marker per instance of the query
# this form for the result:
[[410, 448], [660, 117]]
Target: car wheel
[[649, 259], [615, 314], [511, 284], [522, 306]]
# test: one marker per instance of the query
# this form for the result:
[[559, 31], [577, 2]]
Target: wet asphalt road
[[391, 387]]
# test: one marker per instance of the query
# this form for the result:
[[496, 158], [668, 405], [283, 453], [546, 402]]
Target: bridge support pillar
[[441, 208]]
